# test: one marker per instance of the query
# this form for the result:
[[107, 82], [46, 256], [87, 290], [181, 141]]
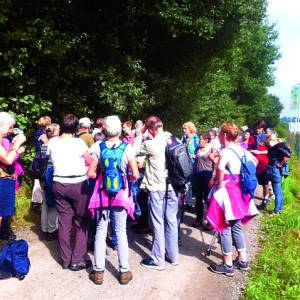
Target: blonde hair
[[231, 131], [43, 122], [272, 137], [190, 126]]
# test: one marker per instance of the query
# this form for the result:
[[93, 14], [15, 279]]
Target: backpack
[[248, 175], [113, 176], [14, 259], [38, 166], [179, 164]]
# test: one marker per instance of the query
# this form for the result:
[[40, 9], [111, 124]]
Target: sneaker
[[51, 236], [97, 277], [222, 269], [241, 265], [173, 263], [125, 277], [149, 263]]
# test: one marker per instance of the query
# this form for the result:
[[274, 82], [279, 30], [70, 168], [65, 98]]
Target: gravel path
[[189, 280]]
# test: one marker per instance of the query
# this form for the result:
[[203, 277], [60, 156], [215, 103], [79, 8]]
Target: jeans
[[274, 175], [163, 215], [277, 189], [235, 232], [120, 217]]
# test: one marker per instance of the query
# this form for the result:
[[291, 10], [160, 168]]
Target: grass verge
[[276, 270], [25, 215]]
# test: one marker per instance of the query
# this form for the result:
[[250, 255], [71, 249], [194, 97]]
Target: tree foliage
[[208, 61]]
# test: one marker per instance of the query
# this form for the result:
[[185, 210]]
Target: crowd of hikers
[[90, 178]]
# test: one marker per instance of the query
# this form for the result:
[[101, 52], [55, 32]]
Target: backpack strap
[[228, 169], [3, 255]]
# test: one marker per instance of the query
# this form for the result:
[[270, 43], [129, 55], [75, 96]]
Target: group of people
[[97, 179]]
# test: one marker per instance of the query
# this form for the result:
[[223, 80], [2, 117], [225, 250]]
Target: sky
[[286, 15]]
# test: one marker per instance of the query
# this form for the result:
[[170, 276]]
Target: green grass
[[276, 270], [25, 215]]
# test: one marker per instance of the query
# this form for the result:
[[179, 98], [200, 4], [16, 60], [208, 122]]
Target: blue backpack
[[14, 259], [111, 162], [247, 173]]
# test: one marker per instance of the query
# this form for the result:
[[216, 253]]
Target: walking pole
[[209, 249]]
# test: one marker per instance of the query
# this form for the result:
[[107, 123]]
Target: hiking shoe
[[97, 277], [173, 263], [149, 263], [241, 265], [80, 266], [125, 277], [222, 269], [51, 236]]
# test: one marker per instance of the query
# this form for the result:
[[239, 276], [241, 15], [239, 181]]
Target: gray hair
[[6, 118], [113, 126]]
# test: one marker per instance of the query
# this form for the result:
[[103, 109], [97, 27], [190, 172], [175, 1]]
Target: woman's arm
[[92, 170], [87, 158], [134, 168]]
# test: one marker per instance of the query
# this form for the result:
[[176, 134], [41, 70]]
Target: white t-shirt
[[67, 157], [233, 159], [128, 154]]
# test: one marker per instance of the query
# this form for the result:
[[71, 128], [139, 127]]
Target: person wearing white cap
[[84, 131]]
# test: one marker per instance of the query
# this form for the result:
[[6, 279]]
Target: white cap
[[85, 122], [244, 128]]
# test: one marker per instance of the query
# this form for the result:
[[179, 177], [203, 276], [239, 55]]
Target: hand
[[21, 150], [18, 140], [43, 138]]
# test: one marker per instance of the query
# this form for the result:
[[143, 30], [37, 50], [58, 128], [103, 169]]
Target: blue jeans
[[163, 216], [277, 189], [275, 177], [235, 232]]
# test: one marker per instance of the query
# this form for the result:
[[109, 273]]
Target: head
[[204, 139], [229, 132], [7, 123], [100, 123], [212, 133], [69, 124], [113, 126], [272, 140], [127, 127], [154, 125], [246, 135], [52, 130], [43, 122], [260, 126], [138, 124], [85, 123], [189, 128]]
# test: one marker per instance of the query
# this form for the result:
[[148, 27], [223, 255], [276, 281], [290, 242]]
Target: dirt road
[[189, 280]]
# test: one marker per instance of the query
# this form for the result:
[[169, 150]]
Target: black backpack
[[179, 165], [38, 166]]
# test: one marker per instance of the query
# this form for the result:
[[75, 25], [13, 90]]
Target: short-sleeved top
[[67, 156], [234, 160], [203, 162], [128, 154], [155, 151]]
